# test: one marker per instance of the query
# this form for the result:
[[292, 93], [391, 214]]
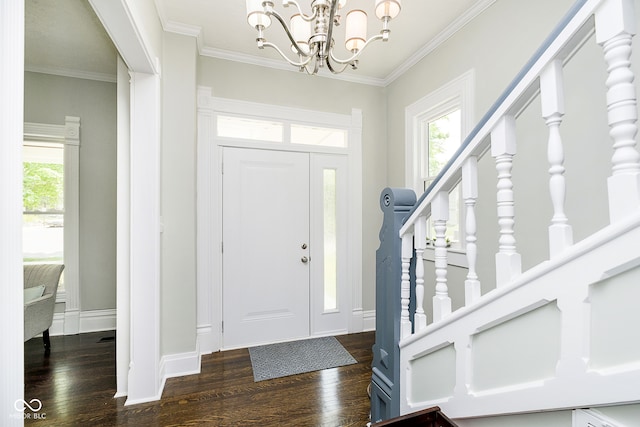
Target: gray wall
[[178, 205], [292, 89], [48, 99], [496, 45]]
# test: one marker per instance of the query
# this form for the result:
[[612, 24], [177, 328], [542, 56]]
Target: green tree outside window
[[43, 186]]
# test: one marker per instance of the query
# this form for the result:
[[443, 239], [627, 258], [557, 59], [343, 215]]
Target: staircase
[[556, 335], [430, 417]]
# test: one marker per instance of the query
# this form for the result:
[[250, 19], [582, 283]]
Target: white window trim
[[69, 135], [458, 93], [286, 116]]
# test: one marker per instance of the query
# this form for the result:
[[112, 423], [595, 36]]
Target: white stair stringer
[[561, 335]]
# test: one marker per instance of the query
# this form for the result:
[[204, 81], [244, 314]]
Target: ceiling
[[65, 37]]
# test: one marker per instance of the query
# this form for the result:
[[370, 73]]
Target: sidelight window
[[330, 246]]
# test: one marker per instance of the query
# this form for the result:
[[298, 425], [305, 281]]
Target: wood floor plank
[[76, 384]]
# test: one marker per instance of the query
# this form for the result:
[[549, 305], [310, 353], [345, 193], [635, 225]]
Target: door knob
[[304, 259], [304, 246]]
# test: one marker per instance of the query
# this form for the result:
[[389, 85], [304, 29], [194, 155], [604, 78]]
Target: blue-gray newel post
[[385, 388]]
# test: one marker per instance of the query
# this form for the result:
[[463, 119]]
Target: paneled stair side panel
[[612, 416], [385, 389], [558, 337], [593, 418], [430, 417]]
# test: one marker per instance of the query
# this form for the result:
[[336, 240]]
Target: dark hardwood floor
[[76, 384]]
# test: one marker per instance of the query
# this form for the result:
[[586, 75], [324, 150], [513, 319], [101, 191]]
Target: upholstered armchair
[[40, 288]]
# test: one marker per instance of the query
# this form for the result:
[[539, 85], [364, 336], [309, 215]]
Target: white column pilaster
[[11, 130]]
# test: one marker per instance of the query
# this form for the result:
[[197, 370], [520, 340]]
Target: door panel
[[265, 225]]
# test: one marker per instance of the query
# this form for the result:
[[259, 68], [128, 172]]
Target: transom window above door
[[246, 128], [281, 132]]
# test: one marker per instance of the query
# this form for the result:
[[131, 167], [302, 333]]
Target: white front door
[[265, 246]]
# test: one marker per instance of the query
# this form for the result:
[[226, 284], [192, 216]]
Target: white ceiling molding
[[196, 31], [76, 74], [183, 29], [281, 65], [443, 36], [178, 27]]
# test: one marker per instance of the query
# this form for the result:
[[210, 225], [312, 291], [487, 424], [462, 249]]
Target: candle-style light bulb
[[301, 31], [388, 9], [356, 31], [255, 14]]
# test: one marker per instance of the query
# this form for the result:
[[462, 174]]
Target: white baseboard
[[369, 320], [180, 364], [87, 321], [155, 398], [57, 327], [97, 320], [356, 324], [71, 324], [207, 339]]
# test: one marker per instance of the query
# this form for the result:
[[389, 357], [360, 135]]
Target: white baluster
[[405, 290], [470, 195], [420, 228], [439, 216], [615, 26], [552, 100], [503, 148]]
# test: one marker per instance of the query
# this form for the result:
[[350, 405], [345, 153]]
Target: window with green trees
[[441, 135], [43, 203]]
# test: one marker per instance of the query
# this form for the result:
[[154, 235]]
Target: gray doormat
[[290, 358]]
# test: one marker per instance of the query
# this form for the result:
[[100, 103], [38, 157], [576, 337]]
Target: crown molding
[[439, 39], [183, 29], [178, 27], [76, 74], [284, 66], [196, 31]]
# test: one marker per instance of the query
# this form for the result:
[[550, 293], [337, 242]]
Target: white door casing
[[210, 149], [140, 231]]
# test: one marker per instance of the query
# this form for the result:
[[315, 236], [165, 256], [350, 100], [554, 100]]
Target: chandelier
[[311, 36]]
